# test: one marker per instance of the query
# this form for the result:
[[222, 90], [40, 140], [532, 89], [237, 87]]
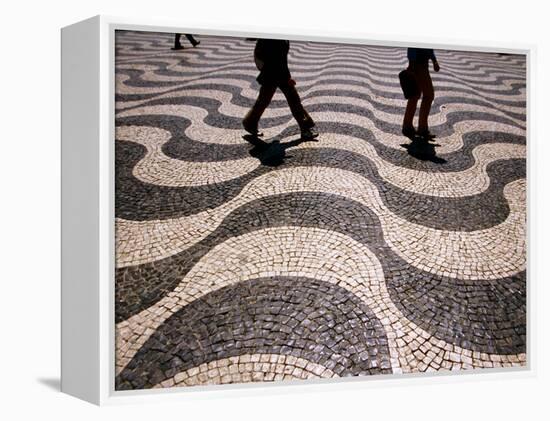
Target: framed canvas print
[[246, 209]]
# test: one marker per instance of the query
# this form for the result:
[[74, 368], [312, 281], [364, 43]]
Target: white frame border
[[107, 394]]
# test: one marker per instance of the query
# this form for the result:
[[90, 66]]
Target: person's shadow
[[270, 154], [421, 149]]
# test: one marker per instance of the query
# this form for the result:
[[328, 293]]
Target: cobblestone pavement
[[361, 253]]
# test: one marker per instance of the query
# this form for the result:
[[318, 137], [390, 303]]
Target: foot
[[309, 134], [425, 134], [409, 132], [177, 47], [307, 124], [253, 130], [196, 43]]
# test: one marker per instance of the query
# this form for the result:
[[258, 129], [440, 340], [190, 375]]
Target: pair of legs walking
[[250, 121], [426, 90]]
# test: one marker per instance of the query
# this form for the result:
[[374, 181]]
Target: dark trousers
[[426, 89], [294, 102]]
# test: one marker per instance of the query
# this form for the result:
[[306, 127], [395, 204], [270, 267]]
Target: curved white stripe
[[291, 251], [492, 253], [462, 58], [361, 62], [365, 55], [250, 93], [249, 368], [388, 84], [313, 66], [228, 108], [471, 181], [200, 131], [157, 168], [225, 77]]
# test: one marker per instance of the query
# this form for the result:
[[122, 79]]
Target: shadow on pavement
[[421, 149], [270, 154]]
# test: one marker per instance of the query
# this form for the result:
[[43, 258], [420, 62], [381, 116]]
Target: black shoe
[[253, 130], [196, 43], [409, 132], [425, 134], [309, 134], [177, 47], [307, 124]]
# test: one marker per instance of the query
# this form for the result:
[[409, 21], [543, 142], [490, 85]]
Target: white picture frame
[[88, 246]]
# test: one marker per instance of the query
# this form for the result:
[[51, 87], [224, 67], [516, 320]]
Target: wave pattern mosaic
[[248, 258]]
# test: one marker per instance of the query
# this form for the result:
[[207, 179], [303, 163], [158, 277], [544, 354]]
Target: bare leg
[[409, 114], [427, 89]]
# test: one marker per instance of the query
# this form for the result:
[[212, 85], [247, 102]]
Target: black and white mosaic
[[360, 253]]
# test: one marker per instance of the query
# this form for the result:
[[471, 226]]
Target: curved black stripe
[[396, 109], [217, 119], [182, 147], [306, 318], [481, 315], [236, 92], [455, 310], [477, 315], [359, 62], [351, 61], [359, 58], [136, 200], [513, 88], [322, 49]]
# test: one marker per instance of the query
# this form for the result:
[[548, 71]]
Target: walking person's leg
[[309, 123], [250, 121], [192, 40], [177, 43], [408, 127], [427, 89], [304, 120]]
